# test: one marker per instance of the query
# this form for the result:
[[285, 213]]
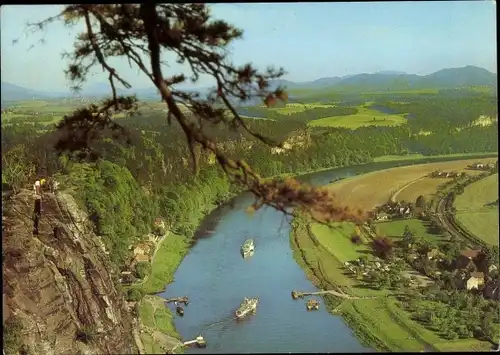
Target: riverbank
[[380, 321], [417, 158], [377, 330], [168, 257], [157, 320]]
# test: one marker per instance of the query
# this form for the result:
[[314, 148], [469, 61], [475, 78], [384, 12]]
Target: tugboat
[[248, 305], [179, 310], [247, 248], [312, 304]]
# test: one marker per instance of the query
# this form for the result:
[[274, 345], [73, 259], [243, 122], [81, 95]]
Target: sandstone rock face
[[59, 284]]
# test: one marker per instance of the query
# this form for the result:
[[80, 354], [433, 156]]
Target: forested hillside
[[132, 184]]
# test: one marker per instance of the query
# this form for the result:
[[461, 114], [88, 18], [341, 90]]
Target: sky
[[310, 40]]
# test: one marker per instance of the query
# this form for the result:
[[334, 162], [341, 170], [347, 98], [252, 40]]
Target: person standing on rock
[[38, 188], [37, 211]]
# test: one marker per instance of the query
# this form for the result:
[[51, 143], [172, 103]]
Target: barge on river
[[247, 248], [248, 305], [312, 305]]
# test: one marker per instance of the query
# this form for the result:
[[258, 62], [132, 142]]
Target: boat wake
[[224, 320]]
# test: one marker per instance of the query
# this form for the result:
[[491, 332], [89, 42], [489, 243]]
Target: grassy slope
[[426, 187], [337, 241], [378, 322], [473, 212], [155, 315], [168, 257], [364, 117], [170, 254], [395, 229]]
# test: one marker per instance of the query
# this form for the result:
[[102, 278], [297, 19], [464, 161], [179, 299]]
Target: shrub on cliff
[[116, 204], [134, 295], [86, 334], [142, 269], [12, 341]]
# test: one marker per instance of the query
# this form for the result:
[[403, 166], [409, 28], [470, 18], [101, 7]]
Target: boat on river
[[312, 305], [247, 248], [248, 305], [179, 310]]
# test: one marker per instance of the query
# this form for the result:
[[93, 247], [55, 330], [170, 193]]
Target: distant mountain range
[[392, 81], [379, 81]]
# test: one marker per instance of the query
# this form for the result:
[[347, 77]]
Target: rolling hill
[[383, 81], [11, 92], [396, 81]]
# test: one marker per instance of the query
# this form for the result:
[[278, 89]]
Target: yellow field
[[364, 117], [426, 187], [421, 156], [474, 212], [369, 190]]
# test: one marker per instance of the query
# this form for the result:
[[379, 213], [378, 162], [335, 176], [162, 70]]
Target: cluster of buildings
[[482, 166], [143, 251], [472, 271], [446, 174], [366, 266], [393, 210]]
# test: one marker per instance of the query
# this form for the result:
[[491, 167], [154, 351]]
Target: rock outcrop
[[59, 285]]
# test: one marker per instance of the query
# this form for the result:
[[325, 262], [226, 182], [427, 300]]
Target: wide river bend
[[216, 278]]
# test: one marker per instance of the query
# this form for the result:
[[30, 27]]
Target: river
[[216, 278]]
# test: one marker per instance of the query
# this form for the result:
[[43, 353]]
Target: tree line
[[130, 185]]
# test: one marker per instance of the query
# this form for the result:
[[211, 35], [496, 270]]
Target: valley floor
[[381, 317], [379, 321]]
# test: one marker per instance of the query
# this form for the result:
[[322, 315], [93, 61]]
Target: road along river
[[216, 279]]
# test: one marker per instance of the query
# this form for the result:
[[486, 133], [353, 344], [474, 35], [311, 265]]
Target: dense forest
[[132, 184]]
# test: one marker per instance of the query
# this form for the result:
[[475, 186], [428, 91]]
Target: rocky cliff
[[58, 286]]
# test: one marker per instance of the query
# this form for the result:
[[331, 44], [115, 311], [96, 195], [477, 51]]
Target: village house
[[492, 290], [433, 254], [152, 238], [142, 249], [492, 268], [475, 280], [159, 227], [127, 277], [478, 166], [382, 216], [407, 212], [467, 259]]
